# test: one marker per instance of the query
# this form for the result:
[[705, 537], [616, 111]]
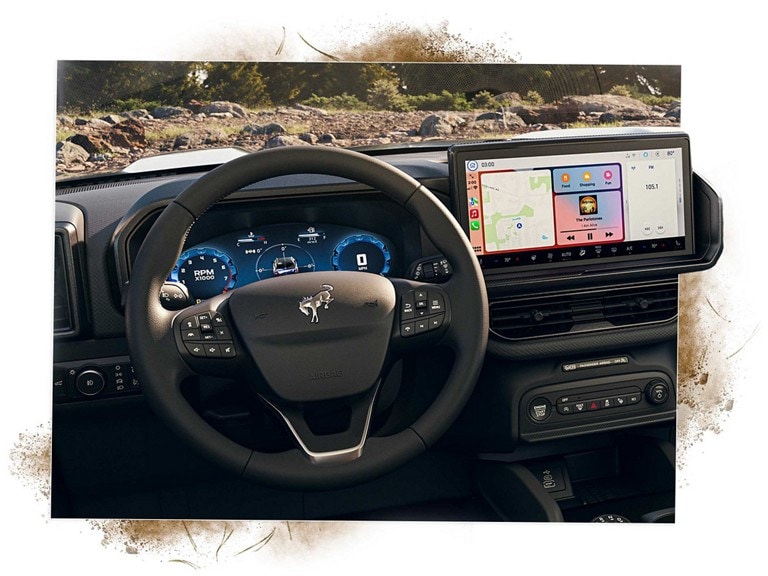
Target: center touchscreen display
[[535, 203]]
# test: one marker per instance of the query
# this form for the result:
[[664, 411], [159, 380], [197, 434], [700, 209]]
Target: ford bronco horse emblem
[[310, 304]]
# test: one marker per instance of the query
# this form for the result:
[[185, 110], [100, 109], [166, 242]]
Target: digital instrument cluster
[[238, 258]]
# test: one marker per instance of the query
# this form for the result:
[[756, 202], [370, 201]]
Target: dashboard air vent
[[641, 305], [532, 317], [583, 311], [63, 303]]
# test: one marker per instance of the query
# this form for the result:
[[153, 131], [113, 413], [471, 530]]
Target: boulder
[[442, 124], [231, 109], [164, 112], [70, 153], [281, 140]]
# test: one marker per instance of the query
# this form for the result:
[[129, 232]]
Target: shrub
[[484, 100], [342, 101], [443, 101], [384, 94], [622, 90], [533, 97]]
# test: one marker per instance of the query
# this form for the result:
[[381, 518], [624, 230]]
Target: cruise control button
[[204, 317], [193, 334]]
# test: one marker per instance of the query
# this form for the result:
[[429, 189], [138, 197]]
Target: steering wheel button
[[408, 329], [206, 327], [436, 322], [436, 303], [407, 307], [207, 336], [192, 334], [189, 322], [222, 333], [421, 326], [227, 350], [212, 351], [196, 349], [204, 317], [218, 319]]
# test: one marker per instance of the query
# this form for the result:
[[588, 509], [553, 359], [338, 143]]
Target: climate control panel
[[594, 404]]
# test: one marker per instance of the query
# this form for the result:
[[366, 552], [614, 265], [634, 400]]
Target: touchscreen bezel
[[459, 154]]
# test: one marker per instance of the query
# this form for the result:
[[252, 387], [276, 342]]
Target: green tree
[[89, 85], [239, 82]]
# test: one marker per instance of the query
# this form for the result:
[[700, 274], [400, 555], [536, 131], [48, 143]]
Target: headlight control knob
[[90, 382]]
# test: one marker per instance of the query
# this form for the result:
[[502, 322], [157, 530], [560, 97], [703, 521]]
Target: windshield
[[114, 115]]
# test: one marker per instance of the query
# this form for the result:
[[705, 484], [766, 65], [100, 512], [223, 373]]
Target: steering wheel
[[303, 341]]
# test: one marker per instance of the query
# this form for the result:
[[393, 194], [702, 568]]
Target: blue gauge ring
[[205, 272], [370, 255]]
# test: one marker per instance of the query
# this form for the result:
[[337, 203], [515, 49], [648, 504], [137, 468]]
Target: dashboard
[[577, 348]]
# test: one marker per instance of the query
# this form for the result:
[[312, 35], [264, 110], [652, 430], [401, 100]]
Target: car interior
[[457, 331]]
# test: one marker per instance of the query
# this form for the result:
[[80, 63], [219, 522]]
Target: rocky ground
[[112, 141]]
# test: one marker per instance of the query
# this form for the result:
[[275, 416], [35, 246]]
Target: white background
[[720, 505]]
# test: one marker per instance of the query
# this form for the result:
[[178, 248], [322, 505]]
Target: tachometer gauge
[[361, 253], [205, 272], [283, 259]]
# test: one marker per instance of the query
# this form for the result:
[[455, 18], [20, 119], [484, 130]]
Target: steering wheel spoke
[[329, 433]]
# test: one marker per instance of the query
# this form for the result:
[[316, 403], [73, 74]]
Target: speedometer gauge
[[362, 253], [205, 272]]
